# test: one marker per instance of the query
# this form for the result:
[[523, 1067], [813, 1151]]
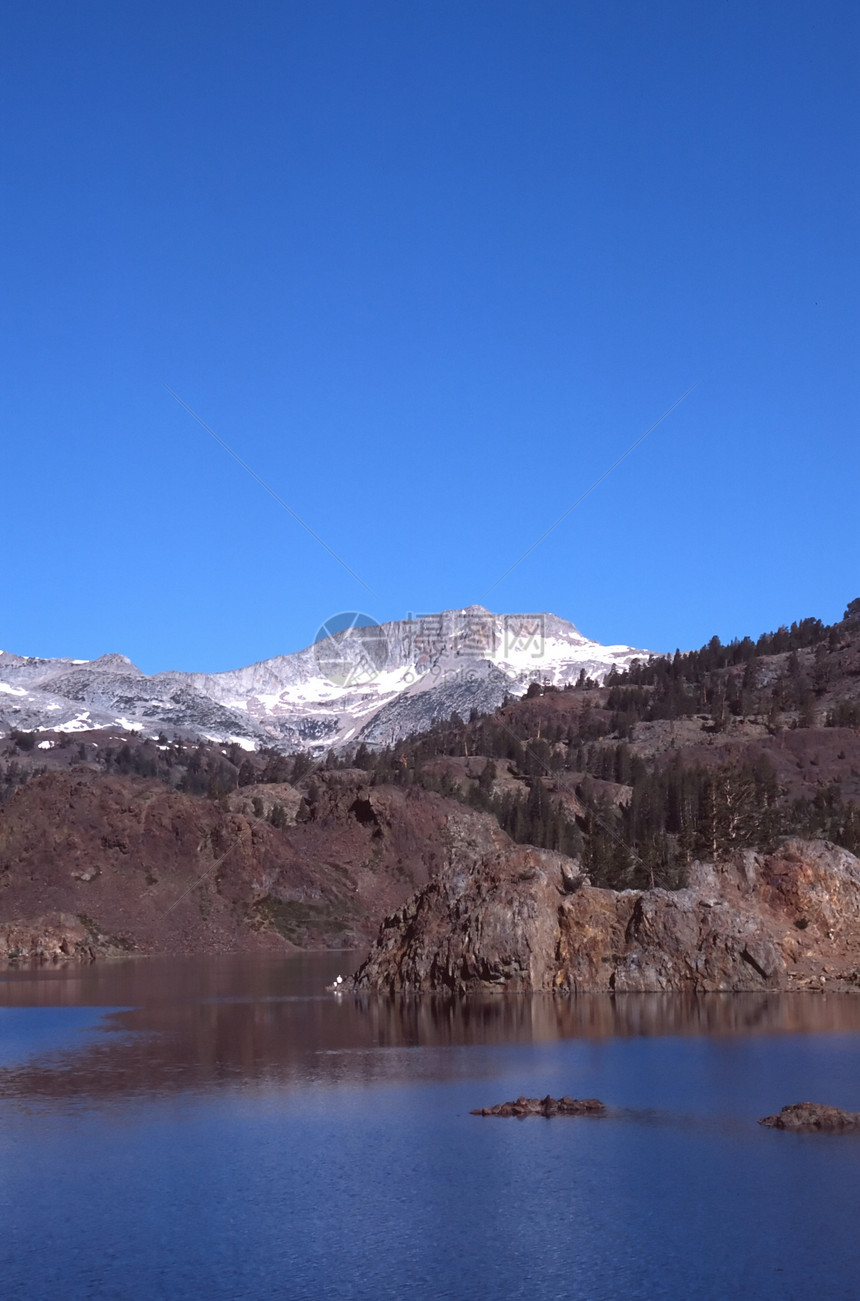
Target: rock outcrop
[[545, 1107], [813, 1118], [57, 938], [500, 916]]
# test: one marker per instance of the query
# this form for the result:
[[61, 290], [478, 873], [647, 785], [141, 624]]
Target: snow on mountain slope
[[374, 683]]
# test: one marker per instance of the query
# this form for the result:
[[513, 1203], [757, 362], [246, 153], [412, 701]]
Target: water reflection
[[198, 1024]]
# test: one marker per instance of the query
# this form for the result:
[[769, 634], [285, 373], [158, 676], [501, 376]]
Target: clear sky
[[428, 267]]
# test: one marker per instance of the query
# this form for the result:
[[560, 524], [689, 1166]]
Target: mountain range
[[692, 823], [372, 683]]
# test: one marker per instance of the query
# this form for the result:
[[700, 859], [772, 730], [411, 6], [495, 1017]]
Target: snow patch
[[80, 723]]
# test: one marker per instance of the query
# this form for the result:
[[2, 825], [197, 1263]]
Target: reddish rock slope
[[509, 917], [94, 865]]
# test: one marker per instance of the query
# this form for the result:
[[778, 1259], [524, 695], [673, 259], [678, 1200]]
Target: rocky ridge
[[511, 918], [374, 683]]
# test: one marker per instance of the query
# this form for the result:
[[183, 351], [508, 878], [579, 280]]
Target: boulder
[[545, 1107], [813, 1118]]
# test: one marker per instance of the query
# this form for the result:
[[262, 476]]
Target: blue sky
[[429, 269]]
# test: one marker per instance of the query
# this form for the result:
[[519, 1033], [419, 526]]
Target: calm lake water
[[225, 1128]]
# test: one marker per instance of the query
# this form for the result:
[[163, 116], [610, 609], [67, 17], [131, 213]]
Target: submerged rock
[[813, 1117], [545, 1107]]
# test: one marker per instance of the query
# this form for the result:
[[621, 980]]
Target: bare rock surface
[[813, 1117], [500, 916], [56, 938], [545, 1107]]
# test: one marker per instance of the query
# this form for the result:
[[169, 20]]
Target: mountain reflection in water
[[162, 1026], [225, 1128]]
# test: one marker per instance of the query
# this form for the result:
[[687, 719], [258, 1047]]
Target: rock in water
[[545, 1107], [813, 1118]]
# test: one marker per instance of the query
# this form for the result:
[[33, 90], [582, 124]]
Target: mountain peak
[[375, 683]]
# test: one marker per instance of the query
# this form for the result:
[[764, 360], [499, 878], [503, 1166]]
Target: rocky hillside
[[625, 791], [499, 916], [685, 757], [94, 864]]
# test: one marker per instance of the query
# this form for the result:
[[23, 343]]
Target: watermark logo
[[351, 649], [474, 634], [523, 637]]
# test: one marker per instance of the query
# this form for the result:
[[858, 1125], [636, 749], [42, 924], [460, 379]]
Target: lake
[[224, 1128]]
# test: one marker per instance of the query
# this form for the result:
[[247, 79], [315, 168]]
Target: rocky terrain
[[688, 823], [375, 683], [94, 865], [813, 1118], [499, 916]]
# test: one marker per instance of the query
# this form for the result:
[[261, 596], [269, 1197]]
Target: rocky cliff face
[[513, 918]]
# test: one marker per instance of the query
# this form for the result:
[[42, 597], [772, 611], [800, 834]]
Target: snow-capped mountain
[[373, 683]]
